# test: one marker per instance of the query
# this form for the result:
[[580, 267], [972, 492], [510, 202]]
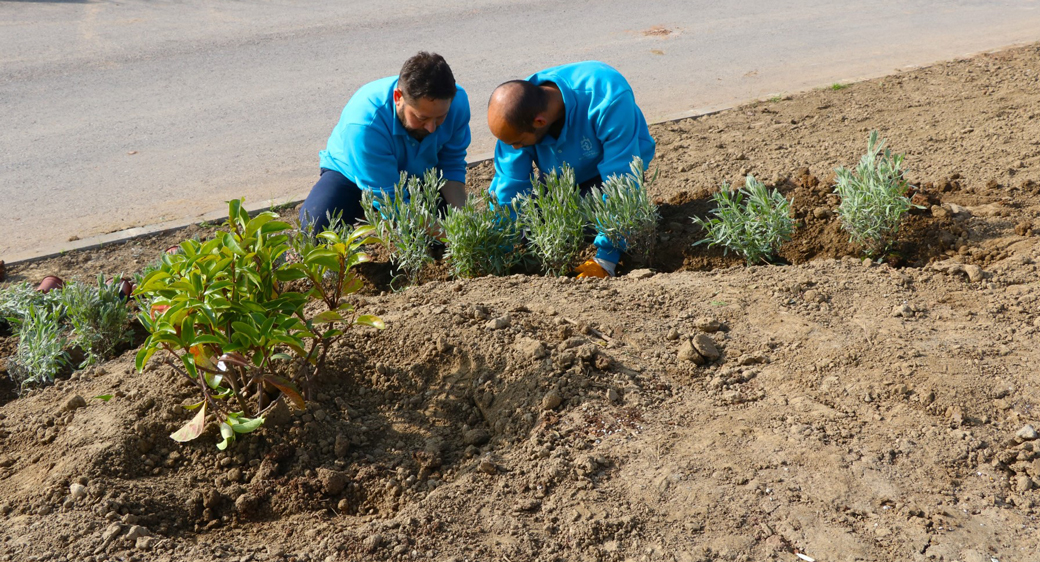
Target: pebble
[[673, 335], [476, 437], [532, 348], [77, 491], [75, 402], [706, 347], [112, 531], [821, 213], [640, 274], [342, 446], [688, 353], [902, 311], [1023, 483], [332, 480], [708, 324], [372, 542], [487, 466], [612, 396], [551, 400], [1027, 433], [137, 532], [499, 323]]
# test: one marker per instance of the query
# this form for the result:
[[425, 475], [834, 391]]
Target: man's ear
[[398, 95], [540, 121]]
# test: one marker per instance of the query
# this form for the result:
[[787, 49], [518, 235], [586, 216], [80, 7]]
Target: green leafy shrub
[[873, 197], [224, 317], [621, 210], [482, 238], [553, 220], [406, 221], [751, 221]]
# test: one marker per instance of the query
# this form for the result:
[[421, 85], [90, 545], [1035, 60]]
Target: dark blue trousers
[[333, 193]]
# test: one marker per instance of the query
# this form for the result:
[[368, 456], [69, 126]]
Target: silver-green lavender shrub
[[406, 221], [482, 238], [622, 211], [553, 220], [751, 221], [873, 197]]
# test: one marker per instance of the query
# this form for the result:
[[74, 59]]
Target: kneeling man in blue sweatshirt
[[581, 114], [407, 123]]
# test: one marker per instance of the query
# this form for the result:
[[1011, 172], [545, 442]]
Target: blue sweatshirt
[[602, 132], [371, 147]]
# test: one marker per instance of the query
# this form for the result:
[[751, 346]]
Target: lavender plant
[[873, 197], [406, 219], [553, 220], [482, 238], [751, 221], [621, 210]]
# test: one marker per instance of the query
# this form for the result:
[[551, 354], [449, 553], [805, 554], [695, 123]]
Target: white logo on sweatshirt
[[588, 150]]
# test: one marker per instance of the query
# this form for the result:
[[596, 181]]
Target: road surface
[[124, 115]]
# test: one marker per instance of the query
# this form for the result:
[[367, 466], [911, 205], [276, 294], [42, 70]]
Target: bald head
[[516, 104]]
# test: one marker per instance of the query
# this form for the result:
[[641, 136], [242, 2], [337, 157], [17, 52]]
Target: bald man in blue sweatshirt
[[582, 114]]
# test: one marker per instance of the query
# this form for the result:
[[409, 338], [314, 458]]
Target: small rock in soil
[[640, 274], [551, 400], [332, 480], [146, 543], [343, 505], [709, 325], [673, 335], [706, 347], [342, 446], [688, 353], [902, 311], [531, 348], [74, 402], [137, 532], [476, 437], [499, 323], [372, 542], [112, 531], [1027, 433], [246, 504], [77, 491], [487, 466], [612, 396], [1023, 483]]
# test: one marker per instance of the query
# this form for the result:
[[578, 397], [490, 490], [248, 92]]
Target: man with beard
[[406, 123], [581, 114]]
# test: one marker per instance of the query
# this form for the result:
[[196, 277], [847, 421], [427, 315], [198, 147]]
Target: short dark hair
[[426, 75], [529, 101]]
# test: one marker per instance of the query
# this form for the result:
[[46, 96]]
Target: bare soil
[[856, 410]]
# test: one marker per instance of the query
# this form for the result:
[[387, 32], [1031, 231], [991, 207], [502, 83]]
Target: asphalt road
[[127, 114]]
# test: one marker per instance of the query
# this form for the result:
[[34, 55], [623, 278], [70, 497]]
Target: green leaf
[[143, 355], [228, 434], [247, 425], [103, 397], [194, 406], [370, 320], [327, 317], [192, 429]]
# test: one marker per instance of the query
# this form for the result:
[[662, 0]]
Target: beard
[[417, 134]]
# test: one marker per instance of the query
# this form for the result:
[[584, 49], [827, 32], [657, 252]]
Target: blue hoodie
[[603, 131], [371, 147]]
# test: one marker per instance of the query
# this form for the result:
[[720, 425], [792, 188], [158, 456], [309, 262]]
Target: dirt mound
[[700, 410]]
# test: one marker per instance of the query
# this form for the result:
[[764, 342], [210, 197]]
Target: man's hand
[[454, 193]]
